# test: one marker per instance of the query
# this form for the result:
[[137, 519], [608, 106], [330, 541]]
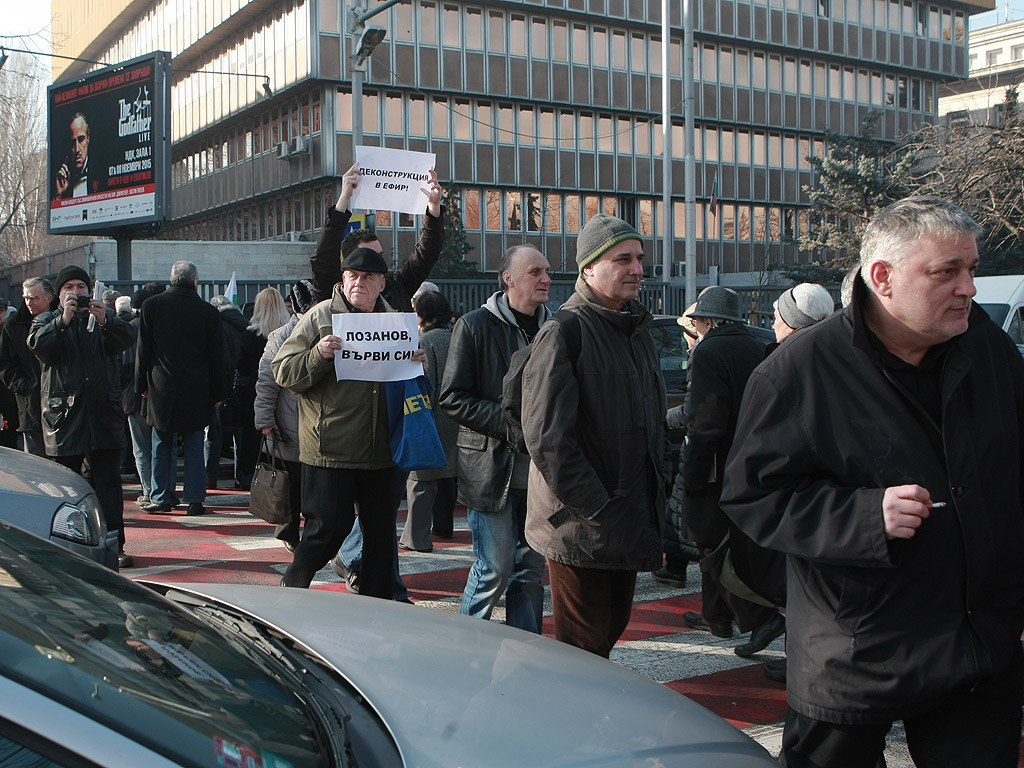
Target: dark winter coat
[[877, 629], [436, 343], [180, 364], [482, 345], [595, 430], [721, 364], [401, 284], [19, 369], [80, 381]]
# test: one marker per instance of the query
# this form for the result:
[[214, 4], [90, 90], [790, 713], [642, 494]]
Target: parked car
[[98, 670], [51, 501], [1002, 297]]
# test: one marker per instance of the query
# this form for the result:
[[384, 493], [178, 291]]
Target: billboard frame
[[126, 192]]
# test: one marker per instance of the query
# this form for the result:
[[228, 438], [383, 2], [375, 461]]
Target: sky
[[21, 23]]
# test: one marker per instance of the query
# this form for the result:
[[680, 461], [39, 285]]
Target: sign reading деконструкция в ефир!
[[109, 148]]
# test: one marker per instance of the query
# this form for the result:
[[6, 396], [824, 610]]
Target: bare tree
[[23, 189], [979, 165]]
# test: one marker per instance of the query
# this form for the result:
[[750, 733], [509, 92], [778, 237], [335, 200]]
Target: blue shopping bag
[[414, 440]]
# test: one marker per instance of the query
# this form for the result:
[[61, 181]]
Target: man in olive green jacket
[[343, 436]]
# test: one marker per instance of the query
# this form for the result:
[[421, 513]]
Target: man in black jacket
[[492, 475], [881, 451], [79, 346], [19, 368], [180, 370], [719, 368]]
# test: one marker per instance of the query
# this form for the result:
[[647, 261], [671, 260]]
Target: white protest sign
[[376, 346], [392, 179]]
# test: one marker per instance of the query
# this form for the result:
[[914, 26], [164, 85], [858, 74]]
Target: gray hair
[[42, 282], [506, 261], [907, 220], [220, 301], [123, 304], [184, 273]]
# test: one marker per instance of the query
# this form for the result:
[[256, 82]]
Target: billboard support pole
[[124, 255]]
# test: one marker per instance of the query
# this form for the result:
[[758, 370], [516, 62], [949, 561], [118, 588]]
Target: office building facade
[[541, 112]]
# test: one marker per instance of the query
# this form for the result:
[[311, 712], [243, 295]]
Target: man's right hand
[[63, 180], [69, 309], [904, 508], [327, 345]]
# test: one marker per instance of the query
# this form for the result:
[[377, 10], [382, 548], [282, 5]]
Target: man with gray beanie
[[80, 389], [594, 427], [799, 307]]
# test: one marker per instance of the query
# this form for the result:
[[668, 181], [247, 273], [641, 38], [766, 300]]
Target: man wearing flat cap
[[594, 427], [80, 388], [343, 436]]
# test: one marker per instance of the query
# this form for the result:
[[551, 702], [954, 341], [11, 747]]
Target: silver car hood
[[23, 473], [459, 691]]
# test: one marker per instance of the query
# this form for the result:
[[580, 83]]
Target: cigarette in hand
[[936, 504]]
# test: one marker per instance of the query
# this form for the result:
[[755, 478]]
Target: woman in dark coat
[[431, 492]]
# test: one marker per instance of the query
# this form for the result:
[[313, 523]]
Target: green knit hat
[[598, 235]]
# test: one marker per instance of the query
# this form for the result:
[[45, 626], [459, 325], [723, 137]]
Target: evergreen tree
[[452, 263], [857, 177]]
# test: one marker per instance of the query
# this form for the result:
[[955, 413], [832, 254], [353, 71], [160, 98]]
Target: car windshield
[[668, 340], [997, 312], [122, 655]]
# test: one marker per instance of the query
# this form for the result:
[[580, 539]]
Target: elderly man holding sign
[[343, 435]]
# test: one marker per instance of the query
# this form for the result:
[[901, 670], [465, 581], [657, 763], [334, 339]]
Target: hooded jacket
[[595, 431], [481, 349], [80, 381], [342, 424], [880, 630]]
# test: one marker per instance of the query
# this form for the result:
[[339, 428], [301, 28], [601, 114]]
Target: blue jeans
[[142, 447], [165, 467], [505, 563]]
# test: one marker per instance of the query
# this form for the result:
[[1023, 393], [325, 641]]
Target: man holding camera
[[79, 346]]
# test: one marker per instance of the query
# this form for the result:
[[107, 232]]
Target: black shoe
[[196, 508], [152, 507], [776, 671], [350, 576], [716, 628], [142, 499], [124, 561], [290, 545], [665, 576], [413, 549], [690, 551], [761, 635]]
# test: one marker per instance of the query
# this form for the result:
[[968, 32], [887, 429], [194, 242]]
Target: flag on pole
[[714, 196], [232, 290]]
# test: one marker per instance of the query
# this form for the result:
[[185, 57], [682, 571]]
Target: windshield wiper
[[329, 715]]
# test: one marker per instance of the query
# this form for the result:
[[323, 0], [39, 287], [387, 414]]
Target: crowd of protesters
[[854, 485]]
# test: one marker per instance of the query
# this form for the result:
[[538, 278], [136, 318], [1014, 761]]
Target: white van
[[1002, 296]]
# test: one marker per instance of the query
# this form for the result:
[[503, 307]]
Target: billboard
[[110, 148]]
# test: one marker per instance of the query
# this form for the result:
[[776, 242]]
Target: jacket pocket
[[474, 441], [55, 414]]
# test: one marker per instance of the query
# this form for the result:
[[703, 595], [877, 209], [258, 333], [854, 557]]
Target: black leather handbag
[[268, 496]]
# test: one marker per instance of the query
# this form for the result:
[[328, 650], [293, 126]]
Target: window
[[471, 209], [554, 212], [580, 44], [639, 58], [506, 125], [417, 116], [619, 50], [463, 125], [484, 122], [539, 31], [428, 24], [526, 128], [513, 212], [452, 33], [496, 31], [992, 58], [725, 66], [517, 35], [474, 29], [439, 121], [599, 45], [559, 41]]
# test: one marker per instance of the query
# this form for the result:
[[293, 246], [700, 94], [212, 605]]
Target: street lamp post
[[363, 40]]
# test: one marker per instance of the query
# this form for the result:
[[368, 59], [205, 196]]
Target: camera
[[83, 302]]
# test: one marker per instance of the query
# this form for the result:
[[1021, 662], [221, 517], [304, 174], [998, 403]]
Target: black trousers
[[329, 496], [105, 466], [979, 727], [591, 607]]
